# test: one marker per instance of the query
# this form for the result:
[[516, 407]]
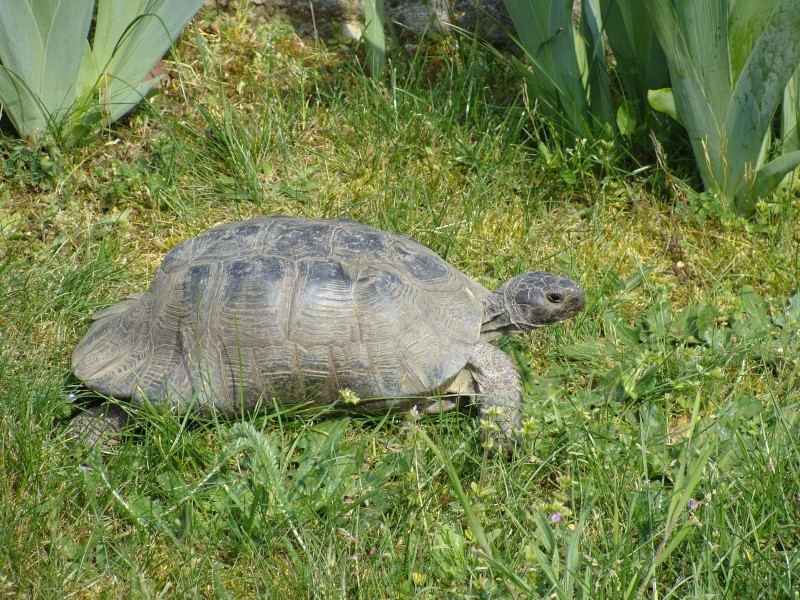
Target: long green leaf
[[692, 104], [689, 471], [729, 118], [52, 79], [21, 105], [757, 93], [21, 47], [547, 35], [455, 483], [113, 19], [594, 68], [641, 64], [767, 178], [790, 114], [39, 59], [21, 53], [63, 50], [89, 72], [127, 47], [375, 36], [125, 98], [704, 24], [746, 22]]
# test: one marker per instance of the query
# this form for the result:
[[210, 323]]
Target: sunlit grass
[[630, 407]]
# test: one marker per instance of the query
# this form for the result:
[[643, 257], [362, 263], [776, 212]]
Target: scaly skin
[[499, 389], [98, 424]]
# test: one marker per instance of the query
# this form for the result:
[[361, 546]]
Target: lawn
[[660, 454]]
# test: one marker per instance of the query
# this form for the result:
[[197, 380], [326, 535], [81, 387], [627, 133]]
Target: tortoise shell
[[288, 308]]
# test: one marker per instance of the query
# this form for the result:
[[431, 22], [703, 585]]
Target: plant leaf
[[640, 61], [375, 36], [113, 19], [756, 94], [547, 36], [594, 71], [21, 47], [691, 101], [41, 44], [746, 22], [626, 118], [663, 100], [704, 24], [127, 46], [767, 178], [790, 114], [21, 106], [64, 42], [21, 52]]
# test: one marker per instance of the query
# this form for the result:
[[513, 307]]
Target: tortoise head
[[531, 300]]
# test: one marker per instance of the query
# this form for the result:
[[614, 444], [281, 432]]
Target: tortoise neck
[[496, 317]]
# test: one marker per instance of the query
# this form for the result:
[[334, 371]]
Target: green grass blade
[[689, 471], [461, 496], [673, 544], [548, 565], [573, 556]]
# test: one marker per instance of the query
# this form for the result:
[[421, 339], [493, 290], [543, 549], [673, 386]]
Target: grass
[[661, 453]]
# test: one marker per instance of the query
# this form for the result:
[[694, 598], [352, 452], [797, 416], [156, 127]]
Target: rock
[[328, 18]]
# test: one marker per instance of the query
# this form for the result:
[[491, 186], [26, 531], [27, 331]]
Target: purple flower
[[692, 504], [555, 517]]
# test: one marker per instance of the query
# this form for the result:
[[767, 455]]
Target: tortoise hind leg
[[498, 389], [98, 424]]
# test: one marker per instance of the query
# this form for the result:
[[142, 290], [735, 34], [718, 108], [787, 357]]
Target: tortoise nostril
[[555, 298]]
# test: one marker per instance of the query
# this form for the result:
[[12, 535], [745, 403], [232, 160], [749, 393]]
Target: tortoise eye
[[555, 297]]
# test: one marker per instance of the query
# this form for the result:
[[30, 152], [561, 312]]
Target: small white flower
[[348, 396]]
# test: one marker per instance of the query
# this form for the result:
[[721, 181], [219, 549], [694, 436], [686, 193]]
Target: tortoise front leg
[[499, 393]]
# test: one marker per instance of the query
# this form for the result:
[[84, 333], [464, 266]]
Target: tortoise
[[331, 312]]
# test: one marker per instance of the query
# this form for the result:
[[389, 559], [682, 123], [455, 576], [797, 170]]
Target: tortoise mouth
[[571, 304], [559, 305]]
